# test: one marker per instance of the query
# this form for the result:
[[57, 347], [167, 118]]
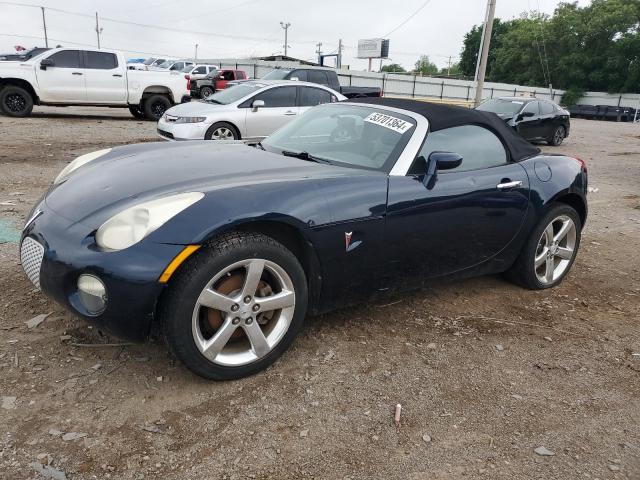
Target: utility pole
[[44, 24], [449, 66], [484, 50], [339, 57], [98, 30], [196, 55], [285, 26], [319, 52]]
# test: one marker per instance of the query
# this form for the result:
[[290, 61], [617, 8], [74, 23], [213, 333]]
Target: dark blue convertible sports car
[[228, 247]]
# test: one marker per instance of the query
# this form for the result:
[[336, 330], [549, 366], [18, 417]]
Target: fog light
[[93, 293]]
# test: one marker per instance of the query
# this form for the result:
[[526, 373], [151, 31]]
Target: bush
[[571, 97]]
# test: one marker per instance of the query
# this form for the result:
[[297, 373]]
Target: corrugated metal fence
[[416, 86]]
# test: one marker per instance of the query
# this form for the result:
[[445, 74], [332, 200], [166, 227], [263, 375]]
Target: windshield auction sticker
[[387, 121]]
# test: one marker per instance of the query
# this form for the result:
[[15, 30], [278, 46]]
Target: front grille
[[165, 134], [31, 253]]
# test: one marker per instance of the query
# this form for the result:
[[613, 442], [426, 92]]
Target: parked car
[[64, 76], [250, 111], [149, 62], [532, 118], [199, 70], [214, 81], [171, 65], [603, 112], [322, 76], [227, 247], [23, 55]]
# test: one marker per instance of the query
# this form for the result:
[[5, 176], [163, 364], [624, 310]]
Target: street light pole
[[98, 30], [285, 26], [484, 50]]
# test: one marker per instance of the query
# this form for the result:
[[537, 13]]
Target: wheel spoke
[[550, 267], [548, 234], [257, 339], [215, 344], [278, 301], [212, 299], [566, 226], [251, 281], [540, 259], [565, 253]]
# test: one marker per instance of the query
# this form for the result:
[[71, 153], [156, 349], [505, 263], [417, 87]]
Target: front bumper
[[130, 276], [182, 131]]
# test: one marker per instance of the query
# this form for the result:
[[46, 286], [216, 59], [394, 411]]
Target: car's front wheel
[[206, 92], [558, 136], [15, 101], [235, 306], [550, 250], [221, 131]]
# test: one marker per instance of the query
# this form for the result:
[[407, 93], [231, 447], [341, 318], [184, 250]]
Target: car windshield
[[166, 64], [348, 135], [149, 61], [187, 69], [497, 105], [233, 94], [278, 74]]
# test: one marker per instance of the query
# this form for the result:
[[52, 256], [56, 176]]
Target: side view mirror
[[256, 105], [294, 78], [46, 62], [525, 115], [439, 161], [445, 160]]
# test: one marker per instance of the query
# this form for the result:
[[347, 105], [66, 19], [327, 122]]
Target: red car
[[213, 82]]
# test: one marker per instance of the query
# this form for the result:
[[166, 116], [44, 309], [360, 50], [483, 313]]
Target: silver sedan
[[249, 111]]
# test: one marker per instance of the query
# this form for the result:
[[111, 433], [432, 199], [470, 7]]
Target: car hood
[[137, 173], [194, 109]]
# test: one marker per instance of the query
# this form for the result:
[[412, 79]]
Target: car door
[[105, 80], [318, 76], [64, 81], [548, 119], [529, 126], [280, 107], [311, 96], [462, 217]]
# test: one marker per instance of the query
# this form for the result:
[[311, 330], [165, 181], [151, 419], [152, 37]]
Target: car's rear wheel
[[206, 92], [235, 307], [154, 106], [558, 136], [550, 251], [222, 131], [15, 101]]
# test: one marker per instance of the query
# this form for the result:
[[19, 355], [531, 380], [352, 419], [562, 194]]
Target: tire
[[15, 101], [206, 92], [136, 111], [222, 131], [558, 136], [187, 324], [525, 273], [154, 106]]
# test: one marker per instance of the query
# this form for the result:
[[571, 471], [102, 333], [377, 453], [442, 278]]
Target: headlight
[[133, 224], [77, 163], [190, 119]]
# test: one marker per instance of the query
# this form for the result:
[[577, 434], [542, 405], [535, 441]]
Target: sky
[[249, 28]]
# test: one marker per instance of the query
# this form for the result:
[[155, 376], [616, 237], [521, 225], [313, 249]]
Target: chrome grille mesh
[[31, 253]]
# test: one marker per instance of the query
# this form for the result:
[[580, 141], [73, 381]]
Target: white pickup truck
[[66, 76]]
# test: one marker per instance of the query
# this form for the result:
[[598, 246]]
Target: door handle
[[116, 75], [76, 73], [289, 112], [507, 185]]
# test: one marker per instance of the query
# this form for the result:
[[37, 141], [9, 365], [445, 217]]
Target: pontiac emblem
[[348, 246]]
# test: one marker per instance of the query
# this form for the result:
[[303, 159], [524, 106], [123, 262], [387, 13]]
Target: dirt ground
[[486, 372]]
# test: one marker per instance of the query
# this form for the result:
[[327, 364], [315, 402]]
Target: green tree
[[471, 46], [453, 70], [424, 66], [394, 67]]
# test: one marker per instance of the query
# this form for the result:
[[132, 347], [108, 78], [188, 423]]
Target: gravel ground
[[486, 372]]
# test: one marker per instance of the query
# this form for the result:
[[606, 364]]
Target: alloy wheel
[[15, 102], [243, 312], [158, 109], [222, 133], [558, 136], [555, 250]]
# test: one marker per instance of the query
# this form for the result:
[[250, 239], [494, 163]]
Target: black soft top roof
[[445, 116]]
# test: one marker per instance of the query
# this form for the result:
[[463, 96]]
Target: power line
[[408, 18]]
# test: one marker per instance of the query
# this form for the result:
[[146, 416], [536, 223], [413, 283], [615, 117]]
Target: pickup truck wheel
[[235, 307], [15, 101], [136, 111], [222, 131], [155, 106], [206, 92]]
